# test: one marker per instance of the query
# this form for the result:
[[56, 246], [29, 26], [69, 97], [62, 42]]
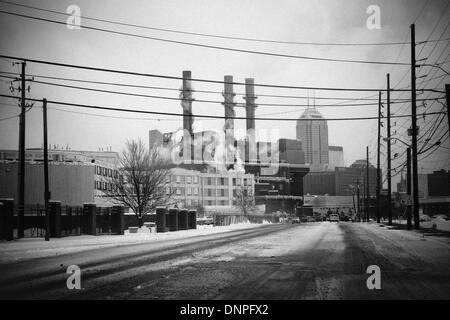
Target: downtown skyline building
[[312, 131]]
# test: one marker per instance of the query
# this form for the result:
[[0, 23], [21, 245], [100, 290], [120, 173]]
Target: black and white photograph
[[224, 154]]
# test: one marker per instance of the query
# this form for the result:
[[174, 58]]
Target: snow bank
[[30, 248]]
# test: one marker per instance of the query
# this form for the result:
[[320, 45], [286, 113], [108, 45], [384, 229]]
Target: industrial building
[[278, 167]]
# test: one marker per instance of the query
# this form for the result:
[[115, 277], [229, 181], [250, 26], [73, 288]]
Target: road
[[320, 260]]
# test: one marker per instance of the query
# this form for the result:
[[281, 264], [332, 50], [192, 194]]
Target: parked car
[[424, 217], [334, 217], [208, 220], [295, 220]]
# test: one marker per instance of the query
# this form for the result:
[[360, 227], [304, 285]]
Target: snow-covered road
[[308, 261]]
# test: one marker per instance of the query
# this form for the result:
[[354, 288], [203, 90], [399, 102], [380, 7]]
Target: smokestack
[[228, 95], [250, 107], [186, 101]]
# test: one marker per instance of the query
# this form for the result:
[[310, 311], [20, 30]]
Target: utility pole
[[357, 199], [367, 185], [46, 182], [408, 189], [447, 94], [389, 179], [378, 158], [415, 179], [21, 169]]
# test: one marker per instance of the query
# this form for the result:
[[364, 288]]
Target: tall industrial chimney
[[188, 119], [186, 101], [229, 104], [250, 107]]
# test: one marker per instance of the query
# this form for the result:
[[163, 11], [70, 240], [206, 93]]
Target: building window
[[178, 192], [189, 179], [195, 191], [189, 191], [105, 172], [195, 180], [177, 179], [223, 192], [167, 190]]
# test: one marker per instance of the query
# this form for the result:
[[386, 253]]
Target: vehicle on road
[[208, 220], [295, 220], [310, 219], [334, 217]]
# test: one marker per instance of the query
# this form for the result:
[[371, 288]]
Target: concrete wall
[[70, 184]]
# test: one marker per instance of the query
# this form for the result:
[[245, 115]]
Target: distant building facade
[[439, 183], [342, 181], [75, 177], [192, 188], [312, 131], [335, 157]]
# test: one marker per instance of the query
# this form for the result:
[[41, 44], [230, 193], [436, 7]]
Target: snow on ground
[[427, 247], [441, 224], [30, 248]]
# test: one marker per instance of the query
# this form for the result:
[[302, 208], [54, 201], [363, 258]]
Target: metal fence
[[34, 221], [72, 221], [64, 220]]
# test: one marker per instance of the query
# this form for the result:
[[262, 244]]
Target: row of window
[[102, 185], [192, 203], [106, 172], [209, 181], [182, 179], [194, 191]]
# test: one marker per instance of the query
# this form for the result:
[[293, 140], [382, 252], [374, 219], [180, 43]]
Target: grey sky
[[315, 21]]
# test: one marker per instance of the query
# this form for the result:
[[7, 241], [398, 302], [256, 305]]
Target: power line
[[209, 101], [281, 55], [195, 115], [210, 35], [202, 80], [345, 99]]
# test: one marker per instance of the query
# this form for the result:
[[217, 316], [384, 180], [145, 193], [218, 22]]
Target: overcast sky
[[301, 21]]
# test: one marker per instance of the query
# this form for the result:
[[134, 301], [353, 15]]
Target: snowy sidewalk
[[31, 248]]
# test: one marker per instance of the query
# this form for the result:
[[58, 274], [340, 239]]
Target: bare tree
[[245, 200], [141, 180]]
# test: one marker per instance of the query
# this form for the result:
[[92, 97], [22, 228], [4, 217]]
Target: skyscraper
[[313, 133]]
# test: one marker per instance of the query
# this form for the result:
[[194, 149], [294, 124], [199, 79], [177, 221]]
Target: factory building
[[278, 167]]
